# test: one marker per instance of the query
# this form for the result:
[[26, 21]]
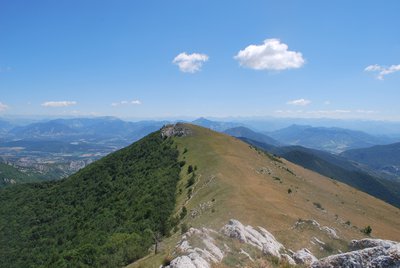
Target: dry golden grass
[[228, 175]]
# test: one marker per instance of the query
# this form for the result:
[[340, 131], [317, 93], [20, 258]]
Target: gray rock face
[[195, 257], [260, 238], [304, 257], [373, 253], [175, 130], [370, 243]]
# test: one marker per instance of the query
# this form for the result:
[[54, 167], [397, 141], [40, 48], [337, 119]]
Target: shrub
[[190, 169], [367, 230], [191, 181], [318, 205], [183, 213], [184, 228], [289, 191]]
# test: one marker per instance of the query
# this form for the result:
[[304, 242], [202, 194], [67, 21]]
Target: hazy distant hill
[[328, 139], [99, 128], [5, 126], [248, 133], [382, 158], [215, 125]]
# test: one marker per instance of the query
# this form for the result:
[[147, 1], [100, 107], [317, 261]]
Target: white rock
[[247, 254], [182, 262], [261, 239], [304, 256], [215, 251], [198, 261], [378, 256], [369, 243], [330, 231], [288, 259]]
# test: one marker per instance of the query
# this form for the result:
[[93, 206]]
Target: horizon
[[282, 60]]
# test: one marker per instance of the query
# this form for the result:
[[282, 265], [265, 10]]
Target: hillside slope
[[105, 215], [337, 168], [235, 180]]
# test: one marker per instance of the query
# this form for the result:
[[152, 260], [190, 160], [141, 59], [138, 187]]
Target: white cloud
[[55, 104], [190, 63], [327, 102], [3, 107], [382, 70], [299, 102], [124, 102], [271, 55]]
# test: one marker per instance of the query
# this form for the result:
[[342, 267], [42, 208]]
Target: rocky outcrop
[[197, 257], [211, 248], [370, 243], [304, 257], [260, 238], [371, 253], [313, 223], [175, 130]]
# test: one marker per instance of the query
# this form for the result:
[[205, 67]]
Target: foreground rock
[[370, 253], [260, 238], [196, 257], [212, 247]]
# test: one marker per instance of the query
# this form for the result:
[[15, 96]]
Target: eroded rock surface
[[175, 130], [304, 257], [203, 248], [260, 238], [372, 253]]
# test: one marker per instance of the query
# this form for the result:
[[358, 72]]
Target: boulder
[[304, 257], [377, 253]]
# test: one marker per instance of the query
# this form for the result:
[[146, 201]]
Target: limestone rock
[[260, 238], [383, 254], [304, 257], [175, 130]]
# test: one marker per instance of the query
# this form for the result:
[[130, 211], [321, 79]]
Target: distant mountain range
[[248, 133], [98, 128], [334, 140], [380, 158]]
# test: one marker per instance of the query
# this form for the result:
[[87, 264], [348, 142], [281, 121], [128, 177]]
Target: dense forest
[[106, 215]]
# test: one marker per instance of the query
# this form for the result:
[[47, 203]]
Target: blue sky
[[306, 58]]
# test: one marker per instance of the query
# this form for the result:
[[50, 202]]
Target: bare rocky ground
[[246, 246]]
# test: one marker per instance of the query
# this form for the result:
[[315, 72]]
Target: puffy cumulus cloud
[[382, 70], [55, 104], [190, 63], [271, 55], [3, 107], [299, 102], [124, 102]]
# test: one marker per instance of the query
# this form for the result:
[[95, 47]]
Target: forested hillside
[[105, 215]]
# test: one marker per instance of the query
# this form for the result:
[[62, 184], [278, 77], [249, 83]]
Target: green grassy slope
[[103, 216], [337, 168]]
